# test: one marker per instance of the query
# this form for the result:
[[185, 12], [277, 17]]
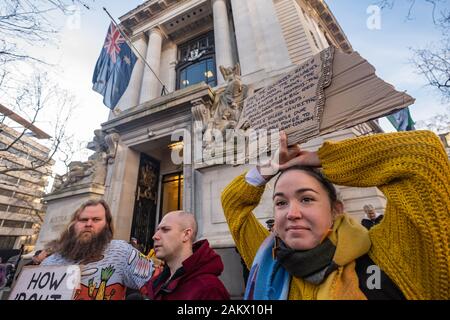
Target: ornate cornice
[[330, 24], [146, 11]]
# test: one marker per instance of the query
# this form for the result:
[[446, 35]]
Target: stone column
[[120, 190], [249, 56], [151, 88], [269, 36], [130, 97], [171, 85], [222, 37]]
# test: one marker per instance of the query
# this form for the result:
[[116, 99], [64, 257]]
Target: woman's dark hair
[[318, 175]]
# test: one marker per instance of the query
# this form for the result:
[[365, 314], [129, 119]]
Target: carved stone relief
[[226, 109]]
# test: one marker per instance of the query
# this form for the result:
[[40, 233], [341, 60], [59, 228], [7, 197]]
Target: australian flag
[[113, 69]]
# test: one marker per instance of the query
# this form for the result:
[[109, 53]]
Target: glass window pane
[[13, 224], [183, 81], [7, 242], [172, 193], [170, 197], [211, 72], [196, 73], [203, 43], [180, 202], [200, 70]]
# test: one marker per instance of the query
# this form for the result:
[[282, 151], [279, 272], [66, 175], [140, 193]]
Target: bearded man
[[108, 266]]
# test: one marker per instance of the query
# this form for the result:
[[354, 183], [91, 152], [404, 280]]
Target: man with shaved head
[[191, 268]]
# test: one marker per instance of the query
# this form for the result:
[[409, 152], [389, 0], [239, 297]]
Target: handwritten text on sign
[[46, 283], [294, 102]]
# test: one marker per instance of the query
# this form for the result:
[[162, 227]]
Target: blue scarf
[[259, 285]]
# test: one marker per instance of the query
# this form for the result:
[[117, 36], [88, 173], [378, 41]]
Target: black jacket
[[374, 283], [367, 223]]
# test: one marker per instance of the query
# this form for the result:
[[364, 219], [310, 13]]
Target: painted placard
[[47, 283]]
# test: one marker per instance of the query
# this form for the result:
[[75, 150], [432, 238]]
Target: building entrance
[[145, 206]]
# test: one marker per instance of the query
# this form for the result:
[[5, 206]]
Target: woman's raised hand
[[286, 157], [294, 156]]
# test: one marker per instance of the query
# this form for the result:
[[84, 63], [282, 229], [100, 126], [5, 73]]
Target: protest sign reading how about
[[294, 103], [47, 283]]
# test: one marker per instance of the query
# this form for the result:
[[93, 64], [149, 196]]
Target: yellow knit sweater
[[411, 245]]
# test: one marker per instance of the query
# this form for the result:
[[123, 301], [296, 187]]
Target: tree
[[23, 165], [25, 24], [433, 62], [38, 97], [31, 94], [439, 123], [23, 21]]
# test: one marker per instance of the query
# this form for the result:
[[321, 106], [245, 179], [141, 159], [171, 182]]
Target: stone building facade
[[186, 42]]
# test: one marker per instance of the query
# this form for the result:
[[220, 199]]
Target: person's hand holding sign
[[286, 157]]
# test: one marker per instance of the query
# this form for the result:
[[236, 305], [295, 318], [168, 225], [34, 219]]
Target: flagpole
[[128, 40]]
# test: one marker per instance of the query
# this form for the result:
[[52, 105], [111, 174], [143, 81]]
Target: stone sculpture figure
[[94, 170], [104, 145], [228, 105], [225, 111]]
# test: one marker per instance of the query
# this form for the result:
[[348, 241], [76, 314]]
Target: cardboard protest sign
[[356, 94], [331, 91], [47, 283], [294, 103]]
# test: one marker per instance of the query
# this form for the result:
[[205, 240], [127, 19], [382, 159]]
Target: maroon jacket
[[197, 279]]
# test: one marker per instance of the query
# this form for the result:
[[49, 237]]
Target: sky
[[72, 58], [386, 48]]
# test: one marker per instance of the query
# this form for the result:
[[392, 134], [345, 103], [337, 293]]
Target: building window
[[9, 179], [203, 70], [197, 62], [7, 242], [14, 209], [172, 193], [6, 193], [28, 225], [13, 224]]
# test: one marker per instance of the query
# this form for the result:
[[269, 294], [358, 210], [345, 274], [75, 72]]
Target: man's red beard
[[84, 247]]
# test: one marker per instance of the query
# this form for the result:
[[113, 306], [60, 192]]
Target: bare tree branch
[[29, 21], [432, 62], [439, 123], [40, 95], [389, 4], [413, 2]]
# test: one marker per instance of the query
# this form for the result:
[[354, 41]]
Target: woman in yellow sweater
[[319, 252]]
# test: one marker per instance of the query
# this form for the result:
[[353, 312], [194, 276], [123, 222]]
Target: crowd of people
[[310, 250]]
